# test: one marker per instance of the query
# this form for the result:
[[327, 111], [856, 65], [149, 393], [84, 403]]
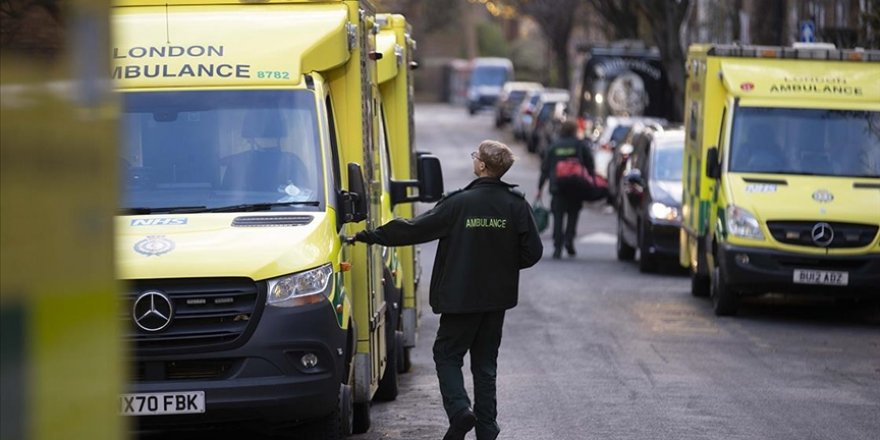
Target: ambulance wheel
[[402, 353], [724, 299], [338, 424], [361, 418], [699, 285], [625, 252], [407, 359], [346, 410], [388, 388]]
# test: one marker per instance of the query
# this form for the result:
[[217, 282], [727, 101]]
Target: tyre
[[361, 418], [625, 252], [388, 388], [336, 425], [699, 285], [724, 299], [647, 262], [407, 359], [402, 353]]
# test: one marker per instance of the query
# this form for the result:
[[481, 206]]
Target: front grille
[[208, 314], [848, 264], [846, 235], [184, 370], [273, 220]]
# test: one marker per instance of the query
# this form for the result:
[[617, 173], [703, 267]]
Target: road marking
[[598, 238], [674, 319]]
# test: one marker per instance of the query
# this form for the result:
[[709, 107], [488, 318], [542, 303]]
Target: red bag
[[571, 168], [573, 180]]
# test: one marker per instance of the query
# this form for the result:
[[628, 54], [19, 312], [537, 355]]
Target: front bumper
[[662, 240], [483, 101], [262, 380], [752, 271]]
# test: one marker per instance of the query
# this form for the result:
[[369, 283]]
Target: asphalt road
[[597, 350]]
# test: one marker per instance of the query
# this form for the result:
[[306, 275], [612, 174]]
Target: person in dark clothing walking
[[487, 235], [564, 205]]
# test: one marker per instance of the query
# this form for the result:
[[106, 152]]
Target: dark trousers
[[479, 333], [566, 210]]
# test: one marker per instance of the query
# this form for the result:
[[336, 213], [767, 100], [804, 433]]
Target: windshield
[[667, 161], [216, 149], [516, 96], [489, 76], [806, 141]]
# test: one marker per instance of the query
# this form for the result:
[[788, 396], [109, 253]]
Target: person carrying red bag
[[569, 167]]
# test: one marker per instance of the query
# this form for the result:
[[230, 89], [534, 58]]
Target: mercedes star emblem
[[822, 234], [153, 311]]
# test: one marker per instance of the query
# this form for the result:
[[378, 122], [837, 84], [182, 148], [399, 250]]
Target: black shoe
[[460, 424], [557, 254], [570, 249]]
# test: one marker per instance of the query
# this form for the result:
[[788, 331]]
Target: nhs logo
[[160, 221]]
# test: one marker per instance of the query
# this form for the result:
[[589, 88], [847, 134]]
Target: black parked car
[[649, 215], [622, 148]]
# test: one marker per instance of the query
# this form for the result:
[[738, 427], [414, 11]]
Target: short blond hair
[[497, 157]]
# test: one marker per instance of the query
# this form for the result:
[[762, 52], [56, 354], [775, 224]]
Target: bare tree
[[769, 24], [666, 21], [620, 18], [556, 20], [14, 14], [663, 19]]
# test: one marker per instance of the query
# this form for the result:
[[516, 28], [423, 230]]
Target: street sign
[[807, 31]]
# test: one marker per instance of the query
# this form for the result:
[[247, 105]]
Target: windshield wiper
[[167, 209], [249, 207]]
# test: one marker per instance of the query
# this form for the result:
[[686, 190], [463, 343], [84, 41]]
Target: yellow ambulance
[[253, 144], [396, 88], [781, 172]]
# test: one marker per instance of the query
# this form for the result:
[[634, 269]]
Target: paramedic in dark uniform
[[564, 207], [487, 234]]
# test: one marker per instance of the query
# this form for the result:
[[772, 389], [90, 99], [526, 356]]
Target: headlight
[[742, 223], [659, 211], [301, 288]]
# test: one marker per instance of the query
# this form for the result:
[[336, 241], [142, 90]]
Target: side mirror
[[713, 166], [354, 201], [429, 182], [430, 178]]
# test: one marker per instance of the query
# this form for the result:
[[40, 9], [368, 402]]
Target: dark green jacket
[[487, 234], [562, 149]]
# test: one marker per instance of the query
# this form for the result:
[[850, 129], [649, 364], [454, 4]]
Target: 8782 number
[[272, 74]]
